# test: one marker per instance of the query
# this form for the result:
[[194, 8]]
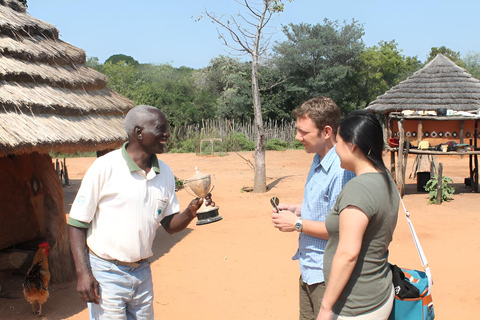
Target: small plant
[[178, 184], [432, 186], [276, 144], [238, 142]]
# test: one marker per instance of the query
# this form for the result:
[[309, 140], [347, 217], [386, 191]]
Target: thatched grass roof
[[49, 99], [440, 84]]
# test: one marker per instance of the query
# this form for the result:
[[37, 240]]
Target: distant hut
[[49, 101], [437, 105], [439, 86]]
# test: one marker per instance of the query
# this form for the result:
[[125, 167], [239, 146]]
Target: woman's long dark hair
[[364, 130]]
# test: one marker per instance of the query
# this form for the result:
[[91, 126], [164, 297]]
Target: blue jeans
[[125, 293]]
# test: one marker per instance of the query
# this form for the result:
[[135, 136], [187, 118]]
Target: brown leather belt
[[133, 265]]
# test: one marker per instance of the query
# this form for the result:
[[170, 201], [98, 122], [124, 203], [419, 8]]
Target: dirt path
[[240, 267]]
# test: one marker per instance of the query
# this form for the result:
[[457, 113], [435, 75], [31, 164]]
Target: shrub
[[185, 146], [178, 184], [295, 145], [276, 144], [432, 186], [238, 142]]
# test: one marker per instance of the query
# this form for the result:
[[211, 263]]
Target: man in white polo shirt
[[124, 196]]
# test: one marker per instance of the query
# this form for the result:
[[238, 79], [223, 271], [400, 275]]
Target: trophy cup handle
[[214, 183]]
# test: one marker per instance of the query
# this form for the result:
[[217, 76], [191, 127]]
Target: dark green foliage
[[380, 68], [178, 184], [276, 144], [319, 60], [185, 146], [238, 142], [122, 59], [447, 52], [472, 63], [296, 145], [73, 155], [447, 190]]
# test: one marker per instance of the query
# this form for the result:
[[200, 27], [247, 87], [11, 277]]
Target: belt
[[133, 265]]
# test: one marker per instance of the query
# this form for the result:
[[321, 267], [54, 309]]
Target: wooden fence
[[282, 130]]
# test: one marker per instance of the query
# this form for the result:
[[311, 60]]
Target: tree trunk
[[260, 180]]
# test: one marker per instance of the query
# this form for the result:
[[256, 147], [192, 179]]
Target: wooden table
[[404, 150]]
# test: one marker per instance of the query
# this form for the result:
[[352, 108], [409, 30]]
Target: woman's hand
[[325, 314]]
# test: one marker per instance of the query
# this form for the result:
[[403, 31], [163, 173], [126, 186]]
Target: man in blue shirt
[[317, 124]]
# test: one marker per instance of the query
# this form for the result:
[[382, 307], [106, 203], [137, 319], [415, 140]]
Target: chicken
[[35, 286]]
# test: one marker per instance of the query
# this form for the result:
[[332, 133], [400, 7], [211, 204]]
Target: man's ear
[[328, 132], [137, 131]]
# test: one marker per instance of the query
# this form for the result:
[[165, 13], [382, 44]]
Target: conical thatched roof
[[440, 84], [49, 99]]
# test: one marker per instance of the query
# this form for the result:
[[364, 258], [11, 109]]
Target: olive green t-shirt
[[371, 280]]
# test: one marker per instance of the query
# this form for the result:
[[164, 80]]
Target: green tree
[[229, 79], [320, 60], [382, 67], [447, 52], [117, 58], [249, 40], [121, 78], [94, 63], [472, 63]]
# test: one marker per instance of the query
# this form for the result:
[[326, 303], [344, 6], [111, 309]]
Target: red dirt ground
[[240, 267]]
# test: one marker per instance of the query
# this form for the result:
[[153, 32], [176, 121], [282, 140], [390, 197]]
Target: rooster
[[35, 286]]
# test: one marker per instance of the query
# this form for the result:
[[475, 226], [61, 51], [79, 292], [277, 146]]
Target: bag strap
[[423, 259]]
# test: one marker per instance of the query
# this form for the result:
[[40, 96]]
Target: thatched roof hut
[[439, 84], [435, 105], [49, 101]]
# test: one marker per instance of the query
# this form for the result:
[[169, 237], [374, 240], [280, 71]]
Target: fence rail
[[282, 130]]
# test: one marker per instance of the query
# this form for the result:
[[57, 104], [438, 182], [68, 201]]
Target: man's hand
[[285, 220], [196, 203], [88, 288]]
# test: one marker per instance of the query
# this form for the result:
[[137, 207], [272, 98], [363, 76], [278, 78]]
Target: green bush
[[238, 142], [295, 144], [185, 146], [178, 184], [276, 145], [432, 186]]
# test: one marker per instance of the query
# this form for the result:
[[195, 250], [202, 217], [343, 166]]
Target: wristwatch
[[299, 225]]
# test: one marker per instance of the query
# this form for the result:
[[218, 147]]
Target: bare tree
[[246, 30]]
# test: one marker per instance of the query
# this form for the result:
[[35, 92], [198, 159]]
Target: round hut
[[436, 107], [49, 102]]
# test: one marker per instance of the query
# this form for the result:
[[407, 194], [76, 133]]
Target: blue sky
[[160, 31]]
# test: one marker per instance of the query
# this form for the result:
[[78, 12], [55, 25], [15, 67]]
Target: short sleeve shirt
[[325, 180], [370, 283], [123, 206]]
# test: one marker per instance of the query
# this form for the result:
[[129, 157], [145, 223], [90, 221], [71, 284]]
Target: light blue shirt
[[324, 182]]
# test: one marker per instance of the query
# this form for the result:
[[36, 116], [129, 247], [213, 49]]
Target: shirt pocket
[[160, 208]]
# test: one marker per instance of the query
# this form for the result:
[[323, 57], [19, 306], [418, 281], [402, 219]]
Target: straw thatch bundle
[[440, 84], [49, 99]]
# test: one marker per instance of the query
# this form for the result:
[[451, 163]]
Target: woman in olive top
[[360, 227]]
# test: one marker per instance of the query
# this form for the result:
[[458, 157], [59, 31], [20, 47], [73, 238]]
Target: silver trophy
[[201, 184]]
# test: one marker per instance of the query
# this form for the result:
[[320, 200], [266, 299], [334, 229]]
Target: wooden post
[[57, 169], [65, 173], [419, 131], [392, 153], [440, 183], [475, 159], [461, 131], [407, 149], [401, 137]]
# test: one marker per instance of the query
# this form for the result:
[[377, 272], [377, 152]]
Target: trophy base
[[208, 216]]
